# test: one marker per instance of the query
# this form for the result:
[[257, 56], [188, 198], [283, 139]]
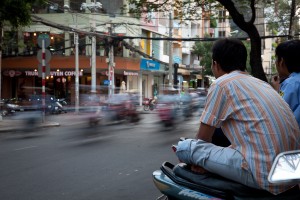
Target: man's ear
[[214, 64], [217, 65]]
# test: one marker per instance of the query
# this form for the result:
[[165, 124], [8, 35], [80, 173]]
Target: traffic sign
[[44, 37], [47, 55]]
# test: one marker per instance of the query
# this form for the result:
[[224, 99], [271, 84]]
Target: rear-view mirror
[[286, 168]]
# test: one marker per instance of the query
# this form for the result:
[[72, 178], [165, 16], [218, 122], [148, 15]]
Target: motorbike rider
[[257, 121], [288, 67]]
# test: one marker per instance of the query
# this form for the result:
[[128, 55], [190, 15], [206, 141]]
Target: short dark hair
[[230, 53], [289, 51]]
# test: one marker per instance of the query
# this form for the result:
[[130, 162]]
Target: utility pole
[[292, 19], [170, 50], [93, 70], [76, 71], [111, 64]]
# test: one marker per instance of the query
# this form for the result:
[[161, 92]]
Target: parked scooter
[[55, 107], [179, 182]]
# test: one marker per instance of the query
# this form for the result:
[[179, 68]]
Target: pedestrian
[[287, 83], [252, 115]]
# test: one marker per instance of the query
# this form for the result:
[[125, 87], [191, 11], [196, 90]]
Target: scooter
[[178, 182], [149, 104]]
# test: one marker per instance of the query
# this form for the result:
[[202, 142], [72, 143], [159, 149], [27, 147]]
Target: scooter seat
[[221, 187]]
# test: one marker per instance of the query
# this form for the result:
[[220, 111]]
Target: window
[[221, 33], [222, 16]]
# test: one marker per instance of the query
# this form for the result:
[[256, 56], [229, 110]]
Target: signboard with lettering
[[177, 59], [54, 73], [149, 65]]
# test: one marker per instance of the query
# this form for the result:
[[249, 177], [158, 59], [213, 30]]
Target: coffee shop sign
[[54, 73]]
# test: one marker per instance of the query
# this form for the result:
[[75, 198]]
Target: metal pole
[[170, 50], [43, 79], [76, 72], [111, 72], [93, 70]]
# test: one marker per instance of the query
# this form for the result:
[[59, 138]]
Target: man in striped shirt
[[256, 120]]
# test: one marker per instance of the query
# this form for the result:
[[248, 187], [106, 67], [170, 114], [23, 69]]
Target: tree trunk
[[255, 54], [249, 27]]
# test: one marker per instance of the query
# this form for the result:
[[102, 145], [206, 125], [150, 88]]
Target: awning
[[183, 71]]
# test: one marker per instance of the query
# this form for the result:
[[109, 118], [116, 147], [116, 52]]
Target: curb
[[10, 126]]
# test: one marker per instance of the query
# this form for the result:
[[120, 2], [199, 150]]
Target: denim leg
[[224, 161]]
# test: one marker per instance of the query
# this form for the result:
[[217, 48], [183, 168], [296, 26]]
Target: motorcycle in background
[[179, 182], [149, 103]]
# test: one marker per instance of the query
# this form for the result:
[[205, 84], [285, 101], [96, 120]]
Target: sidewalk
[[9, 124]]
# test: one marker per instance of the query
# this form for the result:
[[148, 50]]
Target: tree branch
[[253, 17], [238, 18]]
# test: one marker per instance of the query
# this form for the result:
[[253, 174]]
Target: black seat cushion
[[231, 188]]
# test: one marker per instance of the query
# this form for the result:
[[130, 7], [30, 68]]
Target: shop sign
[[149, 65], [130, 73], [106, 82], [12, 73], [54, 73], [177, 59]]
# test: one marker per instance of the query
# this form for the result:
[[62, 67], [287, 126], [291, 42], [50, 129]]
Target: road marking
[[29, 147]]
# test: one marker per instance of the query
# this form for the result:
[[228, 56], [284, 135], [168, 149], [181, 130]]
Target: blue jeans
[[224, 161]]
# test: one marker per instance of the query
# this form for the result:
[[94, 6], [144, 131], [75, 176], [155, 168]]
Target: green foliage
[[278, 16], [203, 51], [16, 12], [213, 22]]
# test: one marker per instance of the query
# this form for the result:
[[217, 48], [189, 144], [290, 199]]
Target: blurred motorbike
[[120, 107], [167, 108]]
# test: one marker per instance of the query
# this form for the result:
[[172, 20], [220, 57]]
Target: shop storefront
[[20, 77], [152, 77]]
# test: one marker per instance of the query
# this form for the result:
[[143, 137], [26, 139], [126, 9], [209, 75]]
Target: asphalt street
[[114, 161]]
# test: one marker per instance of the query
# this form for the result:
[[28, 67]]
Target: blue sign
[[177, 59], [106, 82], [149, 65]]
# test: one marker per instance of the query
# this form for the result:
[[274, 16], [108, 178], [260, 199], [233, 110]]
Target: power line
[[104, 35]]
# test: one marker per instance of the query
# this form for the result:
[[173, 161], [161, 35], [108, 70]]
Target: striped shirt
[[256, 120]]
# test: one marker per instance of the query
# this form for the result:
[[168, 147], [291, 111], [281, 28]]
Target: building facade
[[20, 75]]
